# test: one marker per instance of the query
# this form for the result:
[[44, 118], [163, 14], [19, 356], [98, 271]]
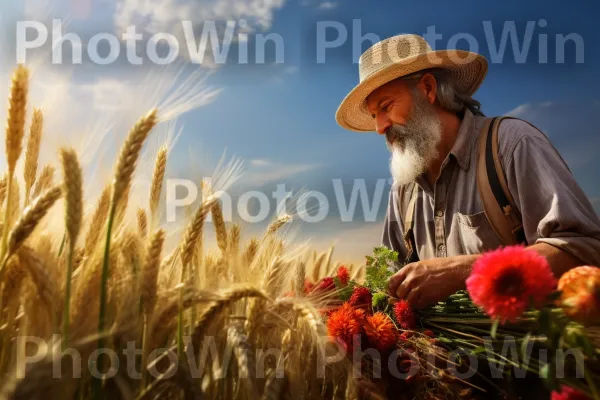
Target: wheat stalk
[[160, 166], [44, 181], [73, 188], [15, 129], [33, 151], [123, 174]]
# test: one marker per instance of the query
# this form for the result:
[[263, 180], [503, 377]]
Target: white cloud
[[264, 171], [519, 110], [166, 15], [328, 5]]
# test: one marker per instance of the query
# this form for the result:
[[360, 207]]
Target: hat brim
[[468, 70]]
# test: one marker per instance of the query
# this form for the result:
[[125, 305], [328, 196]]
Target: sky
[[278, 116]]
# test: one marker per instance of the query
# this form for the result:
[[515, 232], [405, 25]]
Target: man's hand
[[425, 282]]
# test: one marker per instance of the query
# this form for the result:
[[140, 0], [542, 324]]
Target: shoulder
[[514, 133]]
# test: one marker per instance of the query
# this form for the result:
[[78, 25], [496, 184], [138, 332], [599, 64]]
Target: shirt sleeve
[[554, 208], [393, 236]]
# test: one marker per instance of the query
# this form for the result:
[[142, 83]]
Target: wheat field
[[102, 283]]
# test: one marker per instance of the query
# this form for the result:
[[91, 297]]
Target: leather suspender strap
[[499, 206], [409, 236]]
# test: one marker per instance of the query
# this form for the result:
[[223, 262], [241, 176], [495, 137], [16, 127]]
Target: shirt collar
[[465, 138]]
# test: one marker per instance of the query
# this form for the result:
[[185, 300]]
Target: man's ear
[[429, 85]]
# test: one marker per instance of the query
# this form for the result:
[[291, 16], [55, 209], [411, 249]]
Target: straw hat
[[399, 56]]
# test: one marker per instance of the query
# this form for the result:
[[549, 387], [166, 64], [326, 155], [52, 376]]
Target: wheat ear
[[15, 129], [125, 167], [31, 217], [44, 181], [220, 228], [150, 274], [142, 220], [98, 220], [73, 188], [233, 245], [3, 184], [33, 151], [278, 223], [193, 231], [160, 166]]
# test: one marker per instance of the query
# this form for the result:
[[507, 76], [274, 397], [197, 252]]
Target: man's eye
[[387, 106]]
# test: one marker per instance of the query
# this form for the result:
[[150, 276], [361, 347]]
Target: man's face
[[411, 126]]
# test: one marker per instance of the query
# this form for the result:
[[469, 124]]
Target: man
[[421, 101]]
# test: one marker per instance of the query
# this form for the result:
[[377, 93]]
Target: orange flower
[[344, 323], [580, 297], [380, 331]]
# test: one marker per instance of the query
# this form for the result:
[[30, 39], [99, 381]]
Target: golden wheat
[[45, 180], [33, 151], [17, 110], [73, 189], [142, 220], [160, 166], [31, 217], [219, 224]]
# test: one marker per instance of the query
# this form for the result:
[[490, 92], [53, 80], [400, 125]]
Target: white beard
[[414, 145]]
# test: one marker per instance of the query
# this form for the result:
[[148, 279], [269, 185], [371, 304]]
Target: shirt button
[[441, 248], [439, 213]]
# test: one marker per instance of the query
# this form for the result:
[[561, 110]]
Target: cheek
[[399, 113]]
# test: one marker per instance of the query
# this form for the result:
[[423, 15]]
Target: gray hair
[[449, 96]]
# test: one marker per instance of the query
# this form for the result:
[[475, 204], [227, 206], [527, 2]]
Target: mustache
[[396, 133]]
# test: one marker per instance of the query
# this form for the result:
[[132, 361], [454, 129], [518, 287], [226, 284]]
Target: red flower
[[405, 335], [428, 332], [405, 317], [326, 285], [568, 393], [344, 323], [380, 331], [308, 286], [343, 275], [504, 282], [361, 298]]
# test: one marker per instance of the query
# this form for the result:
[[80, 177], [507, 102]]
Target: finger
[[413, 298], [397, 279], [404, 289]]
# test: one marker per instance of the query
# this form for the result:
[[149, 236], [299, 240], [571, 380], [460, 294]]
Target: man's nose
[[382, 123]]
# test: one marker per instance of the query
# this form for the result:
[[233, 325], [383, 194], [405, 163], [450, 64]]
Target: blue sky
[[279, 118]]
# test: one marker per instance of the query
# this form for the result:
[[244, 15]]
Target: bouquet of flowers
[[515, 330]]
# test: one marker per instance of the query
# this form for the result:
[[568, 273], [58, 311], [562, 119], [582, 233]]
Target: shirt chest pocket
[[474, 233]]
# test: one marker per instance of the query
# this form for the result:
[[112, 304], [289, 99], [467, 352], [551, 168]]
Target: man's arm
[[558, 219]]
